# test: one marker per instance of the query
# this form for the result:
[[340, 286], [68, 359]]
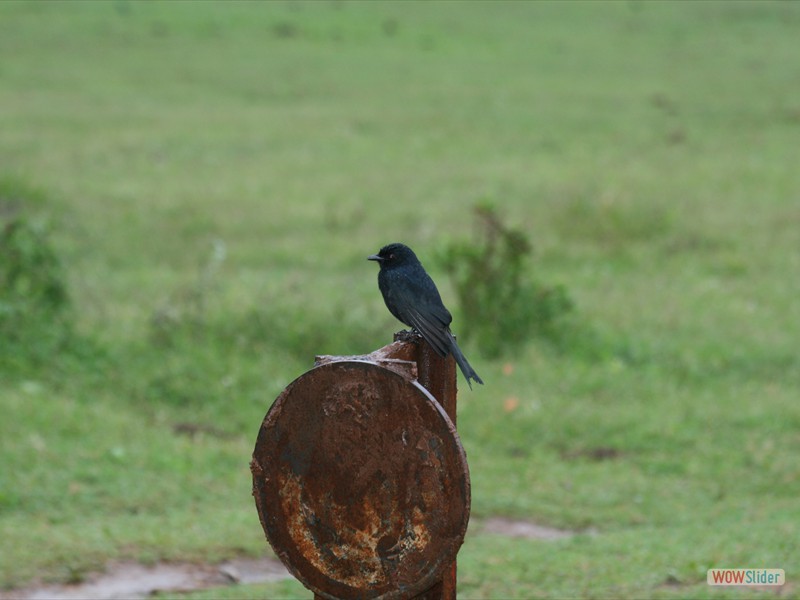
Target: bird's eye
[[391, 256]]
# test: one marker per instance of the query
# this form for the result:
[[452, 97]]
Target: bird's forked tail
[[463, 364]]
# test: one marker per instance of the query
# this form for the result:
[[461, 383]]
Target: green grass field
[[212, 176]]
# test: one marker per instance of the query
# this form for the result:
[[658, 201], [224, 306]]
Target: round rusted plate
[[361, 482]]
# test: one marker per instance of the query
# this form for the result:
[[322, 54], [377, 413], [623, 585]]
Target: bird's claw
[[408, 334]]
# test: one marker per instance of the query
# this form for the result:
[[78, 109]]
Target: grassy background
[[212, 176]]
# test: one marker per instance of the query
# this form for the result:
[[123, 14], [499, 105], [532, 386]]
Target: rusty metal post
[[300, 470], [438, 376]]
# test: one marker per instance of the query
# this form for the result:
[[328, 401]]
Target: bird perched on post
[[412, 297]]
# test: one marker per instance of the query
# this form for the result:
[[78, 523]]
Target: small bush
[[34, 303], [31, 278], [503, 306]]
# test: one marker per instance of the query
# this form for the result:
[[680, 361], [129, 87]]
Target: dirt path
[[132, 581]]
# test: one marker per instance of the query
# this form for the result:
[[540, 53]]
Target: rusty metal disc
[[361, 482]]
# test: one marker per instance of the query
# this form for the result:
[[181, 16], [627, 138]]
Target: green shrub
[[34, 303], [503, 306]]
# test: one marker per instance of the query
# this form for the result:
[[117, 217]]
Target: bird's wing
[[434, 333], [423, 310]]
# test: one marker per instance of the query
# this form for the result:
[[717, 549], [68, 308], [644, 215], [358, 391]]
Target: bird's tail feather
[[463, 364]]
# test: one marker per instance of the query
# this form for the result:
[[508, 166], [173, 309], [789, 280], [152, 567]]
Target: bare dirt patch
[[523, 529], [132, 581]]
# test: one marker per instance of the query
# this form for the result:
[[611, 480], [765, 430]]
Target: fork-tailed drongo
[[412, 297]]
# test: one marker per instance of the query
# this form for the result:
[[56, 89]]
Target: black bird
[[412, 297]]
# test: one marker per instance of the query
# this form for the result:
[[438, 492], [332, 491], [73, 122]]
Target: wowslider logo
[[746, 577]]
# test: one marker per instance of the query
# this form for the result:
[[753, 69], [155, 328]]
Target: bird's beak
[[375, 257]]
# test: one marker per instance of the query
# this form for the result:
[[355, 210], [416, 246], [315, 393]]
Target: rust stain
[[361, 482]]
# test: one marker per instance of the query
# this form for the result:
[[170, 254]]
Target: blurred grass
[[213, 175]]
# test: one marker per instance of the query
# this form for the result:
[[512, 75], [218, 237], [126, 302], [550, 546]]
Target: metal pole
[[438, 376]]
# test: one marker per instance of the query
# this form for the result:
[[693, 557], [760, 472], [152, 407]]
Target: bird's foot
[[407, 335]]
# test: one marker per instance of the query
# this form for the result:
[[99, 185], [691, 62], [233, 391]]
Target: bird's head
[[394, 255]]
